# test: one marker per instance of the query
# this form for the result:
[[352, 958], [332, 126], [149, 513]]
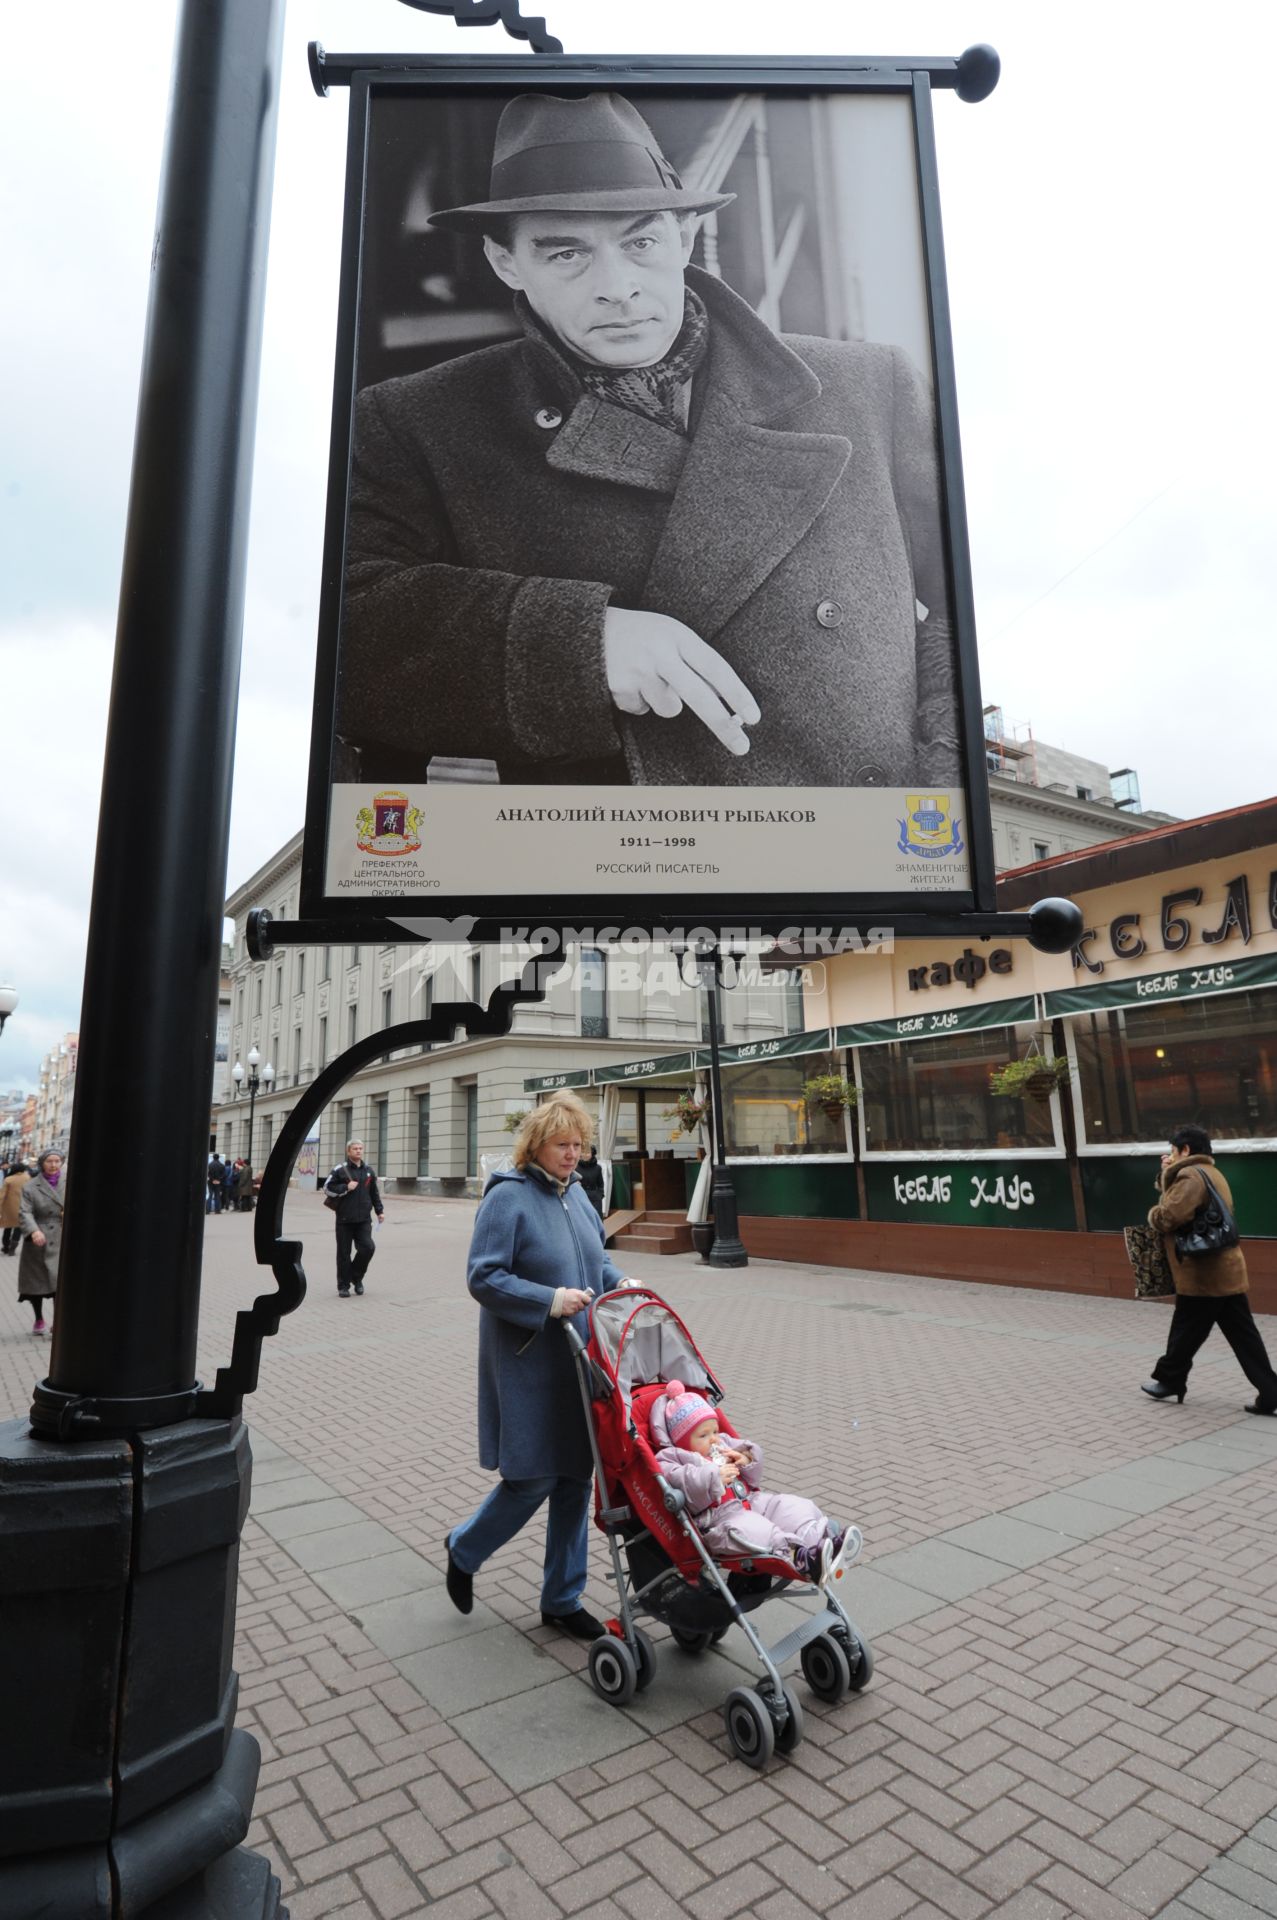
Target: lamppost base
[[727, 1250]]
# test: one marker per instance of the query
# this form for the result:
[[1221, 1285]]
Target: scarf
[[560, 1187], [51, 1179], [656, 391]]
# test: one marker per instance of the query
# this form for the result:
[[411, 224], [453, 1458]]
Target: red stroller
[[662, 1566]]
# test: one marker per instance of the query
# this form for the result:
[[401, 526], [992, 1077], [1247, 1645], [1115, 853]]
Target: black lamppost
[[254, 1086], [8, 1001], [727, 1249]]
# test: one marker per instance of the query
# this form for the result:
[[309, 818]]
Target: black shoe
[[459, 1583], [343, 1293], [1158, 1390], [581, 1625], [359, 1286], [1253, 1406]]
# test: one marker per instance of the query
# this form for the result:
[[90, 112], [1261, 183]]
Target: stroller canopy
[[637, 1340]]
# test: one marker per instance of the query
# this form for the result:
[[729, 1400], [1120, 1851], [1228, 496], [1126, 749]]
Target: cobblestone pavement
[[1069, 1590]]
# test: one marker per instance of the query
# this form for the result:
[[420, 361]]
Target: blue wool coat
[[527, 1242]]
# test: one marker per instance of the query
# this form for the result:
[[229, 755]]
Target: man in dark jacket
[[216, 1182], [726, 542], [354, 1187]]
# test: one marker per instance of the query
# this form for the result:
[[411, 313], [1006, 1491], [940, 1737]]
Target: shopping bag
[[1147, 1256]]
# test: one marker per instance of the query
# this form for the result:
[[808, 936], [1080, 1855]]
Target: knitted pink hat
[[683, 1410]]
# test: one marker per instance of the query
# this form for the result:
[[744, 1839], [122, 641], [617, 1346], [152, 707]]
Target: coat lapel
[[749, 490]]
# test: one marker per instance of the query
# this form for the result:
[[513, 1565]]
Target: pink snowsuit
[[750, 1521]]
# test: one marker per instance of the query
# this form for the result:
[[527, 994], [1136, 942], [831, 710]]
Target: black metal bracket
[[326, 70], [284, 1257]]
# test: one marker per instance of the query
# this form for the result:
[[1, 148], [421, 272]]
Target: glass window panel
[[472, 1129], [933, 1095], [383, 1134], [766, 1113], [593, 994], [1211, 1063], [423, 1135]]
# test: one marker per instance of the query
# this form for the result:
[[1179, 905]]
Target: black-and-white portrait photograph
[[644, 479]]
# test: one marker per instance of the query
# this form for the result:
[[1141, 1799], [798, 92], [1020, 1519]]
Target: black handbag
[[1212, 1228]]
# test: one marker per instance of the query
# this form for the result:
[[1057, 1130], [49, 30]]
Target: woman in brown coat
[[41, 1226], [10, 1205], [1210, 1289]]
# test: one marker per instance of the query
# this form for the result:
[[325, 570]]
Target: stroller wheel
[[749, 1727], [692, 1642], [613, 1670], [646, 1669], [790, 1732], [826, 1668]]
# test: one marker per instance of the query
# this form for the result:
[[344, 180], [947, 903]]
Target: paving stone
[[339, 1546], [948, 1572], [1070, 1513], [877, 1602], [413, 1622], [1015, 1543], [298, 1490], [537, 1736], [380, 1579], [312, 1516]]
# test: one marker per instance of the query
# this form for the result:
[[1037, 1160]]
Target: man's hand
[[351, 1185], [575, 1299], [655, 664], [380, 1218]]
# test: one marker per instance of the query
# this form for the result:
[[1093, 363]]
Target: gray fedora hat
[[596, 155]]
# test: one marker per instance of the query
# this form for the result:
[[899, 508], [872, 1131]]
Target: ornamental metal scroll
[[284, 1257], [487, 13]]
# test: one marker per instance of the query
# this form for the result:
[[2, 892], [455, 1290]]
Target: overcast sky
[[1108, 218]]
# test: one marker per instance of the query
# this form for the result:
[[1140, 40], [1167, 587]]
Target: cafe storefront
[[1165, 1013]]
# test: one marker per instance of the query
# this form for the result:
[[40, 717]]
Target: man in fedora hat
[[651, 541]]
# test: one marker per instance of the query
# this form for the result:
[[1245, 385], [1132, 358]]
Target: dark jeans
[[356, 1234], [12, 1235], [1191, 1322]]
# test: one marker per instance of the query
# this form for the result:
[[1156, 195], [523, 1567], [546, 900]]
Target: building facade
[[55, 1097]]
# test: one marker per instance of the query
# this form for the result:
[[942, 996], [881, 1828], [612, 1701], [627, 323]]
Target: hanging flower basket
[[513, 1121], [687, 1111], [831, 1093], [1036, 1077]]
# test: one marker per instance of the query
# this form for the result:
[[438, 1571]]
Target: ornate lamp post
[[254, 1085], [727, 1249], [8, 1001]]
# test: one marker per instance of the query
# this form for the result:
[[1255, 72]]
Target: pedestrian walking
[[354, 1196], [1210, 1287], [216, 1182], [591, 1172], [10, 1205], [536, 1255], [244, 1186], [40, 1223]]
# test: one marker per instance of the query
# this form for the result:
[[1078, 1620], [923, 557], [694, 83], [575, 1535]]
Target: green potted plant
[[1038, 1076], [831, 1093], [513, 1121], [687, 1111]]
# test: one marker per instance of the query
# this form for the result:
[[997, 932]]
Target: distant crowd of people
[[230, 1186]]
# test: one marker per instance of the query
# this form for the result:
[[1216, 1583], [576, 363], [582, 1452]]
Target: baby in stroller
[[720, 1477]]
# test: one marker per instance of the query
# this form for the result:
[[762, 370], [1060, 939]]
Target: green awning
[[750, 1051], [1177, 983], [653, 1068], [552, 1082], [931, 1026]]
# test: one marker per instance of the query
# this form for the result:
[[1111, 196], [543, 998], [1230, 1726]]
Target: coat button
[[869, 777], [829, 613], [549, 417]]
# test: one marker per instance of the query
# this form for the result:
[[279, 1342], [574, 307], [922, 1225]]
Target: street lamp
[[254, 1086], [727, 1249], [8, 1001]]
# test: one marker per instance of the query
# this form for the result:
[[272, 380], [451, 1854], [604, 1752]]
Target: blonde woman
[[536, 1256]]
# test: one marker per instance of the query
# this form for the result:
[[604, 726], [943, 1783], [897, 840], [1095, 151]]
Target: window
[[765, 1111], [323, 1043], [476, 978], [353, 961], [427, 1003], [326, 965], [933, 1095], [352, 1023], [239, 1007], [593, 994], [1209, 1063], [297, 1056], [261, 987], [472, 1127], [423, 1135], [387, 1004], [1086, 793], [301, 973], [383, 1135], [278, 997], [268, 1134], [1041, 850], [792, 985]]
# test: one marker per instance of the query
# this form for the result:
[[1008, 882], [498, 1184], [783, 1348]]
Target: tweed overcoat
[[1183, 1186], [528, 1241], [497, 509], [11, 1199], [42, 1209]]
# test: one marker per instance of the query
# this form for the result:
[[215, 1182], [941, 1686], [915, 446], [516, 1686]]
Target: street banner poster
[[646, 581]]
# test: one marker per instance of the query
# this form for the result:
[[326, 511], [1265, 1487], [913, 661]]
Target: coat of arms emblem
[[390, 826], [929, 830]]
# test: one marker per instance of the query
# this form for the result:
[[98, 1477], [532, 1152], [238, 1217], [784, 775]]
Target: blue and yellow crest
[[929, 830]]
